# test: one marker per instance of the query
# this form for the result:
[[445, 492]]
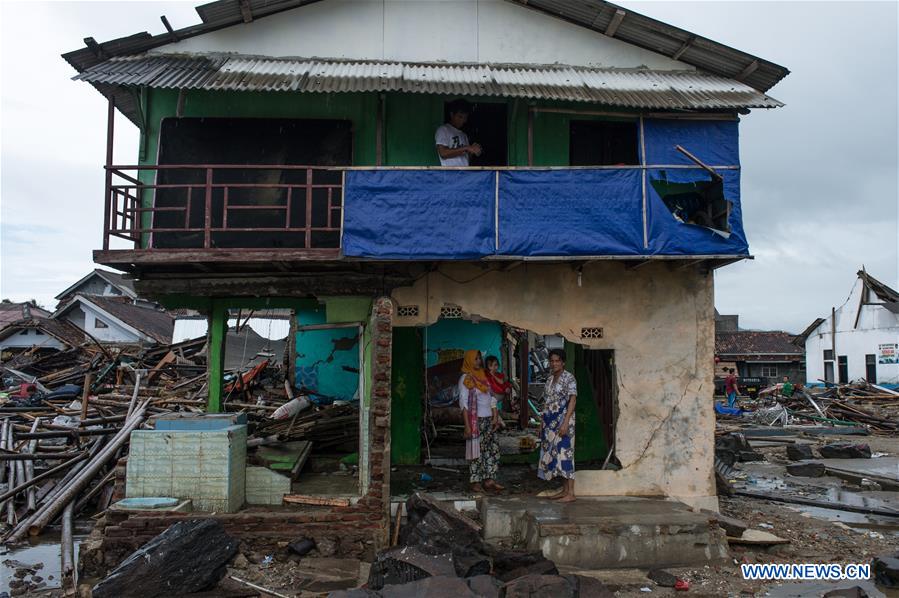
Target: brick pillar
[[382, 341]]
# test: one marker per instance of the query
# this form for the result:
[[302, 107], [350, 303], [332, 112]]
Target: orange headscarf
[[475, 377]]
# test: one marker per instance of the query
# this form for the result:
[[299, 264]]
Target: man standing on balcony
[[452, 143]]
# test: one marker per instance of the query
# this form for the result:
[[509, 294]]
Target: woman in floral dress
[[557, 427]]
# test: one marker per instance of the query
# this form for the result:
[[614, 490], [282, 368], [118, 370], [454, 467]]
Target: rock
[[190, 556], [37, 579], [326, 547], [842, 450], [485, 585], [538, 586], [885, 569], [256, 558], [301, 546], [240, 562], [440, 586], [589, 587], [806, 470], [513, 564], [327, 574], [662, 578], [400, 566], [357, 593], [732, 527], [798, 452]]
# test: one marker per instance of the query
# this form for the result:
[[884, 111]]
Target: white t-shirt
[[451, 137], [486, 401]]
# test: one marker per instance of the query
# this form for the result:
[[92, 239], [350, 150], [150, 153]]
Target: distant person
[[452, 143], [731, 387], [787, 389]]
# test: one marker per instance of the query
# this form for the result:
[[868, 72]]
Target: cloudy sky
[[819, 176]]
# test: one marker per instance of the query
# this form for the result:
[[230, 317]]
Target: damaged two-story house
[[287, 161]]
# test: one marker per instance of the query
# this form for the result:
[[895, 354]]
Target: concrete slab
[[606, 532], [883, 467]]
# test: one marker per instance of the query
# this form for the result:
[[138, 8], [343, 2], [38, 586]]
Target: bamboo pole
[[67, 551], [44, 516], [11, 503], [31, 496], [39, 478], [134, 396]]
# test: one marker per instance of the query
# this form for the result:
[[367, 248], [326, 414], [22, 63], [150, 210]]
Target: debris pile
[[859, 404]]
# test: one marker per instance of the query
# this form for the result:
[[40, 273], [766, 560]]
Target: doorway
[[600, 365], [487, 125], [871, 368]]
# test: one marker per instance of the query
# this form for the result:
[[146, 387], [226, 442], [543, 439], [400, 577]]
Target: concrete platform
[[606, 532]]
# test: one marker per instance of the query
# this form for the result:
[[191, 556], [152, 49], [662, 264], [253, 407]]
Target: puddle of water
[[43, 549]]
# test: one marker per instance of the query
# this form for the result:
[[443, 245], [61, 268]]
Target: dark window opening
[[828, 354], [272, 202], [98, 323], [843, 366], [487, 125], [602, 143], [700, 202], [871, 368]]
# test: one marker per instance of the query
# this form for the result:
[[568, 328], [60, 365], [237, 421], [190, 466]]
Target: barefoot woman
[[557, 427]]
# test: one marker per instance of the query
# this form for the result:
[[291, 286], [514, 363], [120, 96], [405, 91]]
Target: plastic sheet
[[715, 142], [570, 212]]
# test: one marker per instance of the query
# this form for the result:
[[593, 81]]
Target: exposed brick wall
[[359, 529]]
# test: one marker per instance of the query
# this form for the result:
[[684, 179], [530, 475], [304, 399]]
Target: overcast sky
[[819, 184]]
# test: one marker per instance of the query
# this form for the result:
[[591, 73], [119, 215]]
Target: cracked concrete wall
[[658, 319]]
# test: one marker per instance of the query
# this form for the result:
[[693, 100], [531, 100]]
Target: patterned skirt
[[487, 463], [556, 451]]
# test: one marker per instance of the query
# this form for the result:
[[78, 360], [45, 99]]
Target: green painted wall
[[407, 386]]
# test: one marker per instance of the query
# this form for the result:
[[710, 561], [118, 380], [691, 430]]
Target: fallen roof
[[597, 15], [63, 331], [886, 294], [13, 312], [154, 323], [632, 88], [753, 342]]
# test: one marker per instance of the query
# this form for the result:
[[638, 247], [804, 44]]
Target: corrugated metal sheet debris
[[632, 88]]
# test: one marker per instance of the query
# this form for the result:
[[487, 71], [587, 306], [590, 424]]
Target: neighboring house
[[283, 166], [858, 340], [13, 312], [116, 320], [102, 283], [766, 354], [41, 333]]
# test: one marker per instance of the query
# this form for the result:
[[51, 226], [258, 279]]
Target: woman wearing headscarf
[[481, 420], [557, 427]]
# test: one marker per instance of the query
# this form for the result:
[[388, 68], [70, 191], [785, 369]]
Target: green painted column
[[407, 382], [218, 328]]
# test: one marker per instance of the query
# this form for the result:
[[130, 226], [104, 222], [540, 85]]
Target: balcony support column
[[218, 328]]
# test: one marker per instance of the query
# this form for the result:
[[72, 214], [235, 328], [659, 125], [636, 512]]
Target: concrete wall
[[428, 31], [660, 323], [876, 326]]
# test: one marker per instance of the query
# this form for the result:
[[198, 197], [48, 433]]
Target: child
[[499, 387]]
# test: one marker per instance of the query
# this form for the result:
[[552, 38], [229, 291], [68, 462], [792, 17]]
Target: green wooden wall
[[407, 390]]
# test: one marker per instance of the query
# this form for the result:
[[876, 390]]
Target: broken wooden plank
[[305, 499]]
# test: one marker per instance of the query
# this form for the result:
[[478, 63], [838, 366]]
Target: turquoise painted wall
[[459, 335]]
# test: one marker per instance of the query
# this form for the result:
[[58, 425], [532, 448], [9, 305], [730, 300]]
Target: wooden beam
[[635, 265], [615, 22], [169, 28], [683, 48], [750, 68], [245, 11]]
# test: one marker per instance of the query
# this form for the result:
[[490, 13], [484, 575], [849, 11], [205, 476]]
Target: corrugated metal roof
[[635, 28], [632, 88]]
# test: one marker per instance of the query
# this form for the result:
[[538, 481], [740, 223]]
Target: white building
[[115, 320], [857, 340]]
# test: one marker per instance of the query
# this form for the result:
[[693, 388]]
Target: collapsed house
[[286, 169], [858, 340]]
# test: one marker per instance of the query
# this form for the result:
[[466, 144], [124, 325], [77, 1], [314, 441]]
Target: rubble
[[885, 569], [799, 452], [845, 451], [189, 556], [806, 470]]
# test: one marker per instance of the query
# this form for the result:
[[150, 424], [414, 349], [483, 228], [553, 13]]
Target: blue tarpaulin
[[715, 142], [409, 214], [667, 236], [570, 212]]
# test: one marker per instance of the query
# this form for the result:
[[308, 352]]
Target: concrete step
[[606, 532]]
